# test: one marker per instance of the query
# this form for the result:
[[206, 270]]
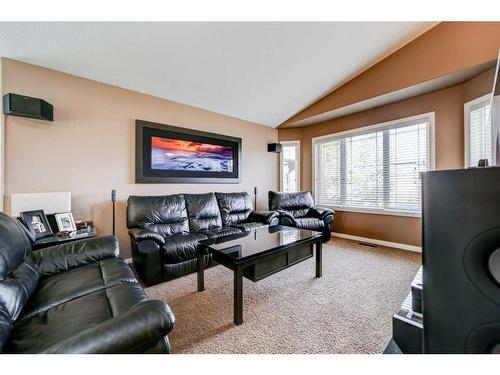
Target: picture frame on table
[[65, 222], [37, 223]]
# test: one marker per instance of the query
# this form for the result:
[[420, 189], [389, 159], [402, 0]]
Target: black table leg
[[201, 271], [238, 296], [319, 265]]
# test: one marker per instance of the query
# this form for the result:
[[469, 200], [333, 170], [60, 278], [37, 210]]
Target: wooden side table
[[57, 240]]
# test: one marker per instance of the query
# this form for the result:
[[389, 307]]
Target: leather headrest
[[152, 210], [290, 201]]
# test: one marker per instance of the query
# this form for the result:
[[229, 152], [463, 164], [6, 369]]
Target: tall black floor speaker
[[461, 261]]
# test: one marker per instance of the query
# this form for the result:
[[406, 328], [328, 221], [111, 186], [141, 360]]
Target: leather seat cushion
[[310, 223], [249, 226], [65, 286], [220, 232], [54, 325], [181, 247]]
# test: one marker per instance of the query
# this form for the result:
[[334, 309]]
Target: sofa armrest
[[139, 234], [147, 259], [324, 214], [59, 258], [131, 332], [265, 217], [319, 212], [286, 218]]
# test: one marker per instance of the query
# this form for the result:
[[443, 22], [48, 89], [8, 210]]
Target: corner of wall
[[2, 141]]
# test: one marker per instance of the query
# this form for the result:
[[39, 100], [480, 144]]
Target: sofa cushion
[[165, 214], [298, 204], [181, 247], [203, 212], [65, 286], [234, 207], [249, 226], [175, 270], [51, 326], [220, 232], [310, 223]]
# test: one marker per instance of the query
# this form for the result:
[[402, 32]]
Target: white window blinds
[[377, 169], [478, 131]]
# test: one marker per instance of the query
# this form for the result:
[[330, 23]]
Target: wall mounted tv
[[170, 154]]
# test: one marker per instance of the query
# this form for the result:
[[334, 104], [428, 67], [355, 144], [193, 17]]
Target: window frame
[[297, 144], [367, 129], [467, 107]]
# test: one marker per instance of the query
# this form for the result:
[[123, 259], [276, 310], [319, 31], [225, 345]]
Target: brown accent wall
[[446, 48], [478, 86], [89, 148], [2, 143], [448, 106]]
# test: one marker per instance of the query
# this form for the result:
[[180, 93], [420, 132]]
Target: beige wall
[[89, 148], [448, 105]]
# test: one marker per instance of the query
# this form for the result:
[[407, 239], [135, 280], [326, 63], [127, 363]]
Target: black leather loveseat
[[74, 298], [298, 210], [165, 230]]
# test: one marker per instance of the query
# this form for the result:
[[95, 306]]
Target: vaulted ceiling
[[260, 72]]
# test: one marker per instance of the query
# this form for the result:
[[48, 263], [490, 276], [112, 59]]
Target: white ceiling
[[260, 72]]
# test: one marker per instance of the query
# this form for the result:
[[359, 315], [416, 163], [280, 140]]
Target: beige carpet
[[348, 310]]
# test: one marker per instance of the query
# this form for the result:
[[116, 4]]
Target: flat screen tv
[[169, 154], [495, 116]]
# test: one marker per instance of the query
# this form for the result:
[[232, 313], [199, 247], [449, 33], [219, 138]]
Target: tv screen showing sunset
[[178, 155]]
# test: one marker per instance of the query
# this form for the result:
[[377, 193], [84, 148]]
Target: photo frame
[[28, 233], [65, 222], [170, 154], [37, 223]]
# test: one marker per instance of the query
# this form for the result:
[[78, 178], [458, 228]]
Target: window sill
[[373, 212]]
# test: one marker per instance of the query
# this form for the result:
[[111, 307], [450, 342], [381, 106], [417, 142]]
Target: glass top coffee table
[[258, 254]]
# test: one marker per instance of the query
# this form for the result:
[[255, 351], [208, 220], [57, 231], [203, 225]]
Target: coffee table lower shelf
[[259, 267]]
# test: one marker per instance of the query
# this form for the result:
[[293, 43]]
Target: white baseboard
[[395, 245], [128, 260]]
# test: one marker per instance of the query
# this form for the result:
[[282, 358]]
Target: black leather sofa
[[77, 297], [165, 230], [298, 210]]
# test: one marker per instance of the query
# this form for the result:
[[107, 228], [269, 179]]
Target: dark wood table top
[[57, 240]]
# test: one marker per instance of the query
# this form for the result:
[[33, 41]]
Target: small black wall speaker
[[461, 261], [274, 147], [26, 106]]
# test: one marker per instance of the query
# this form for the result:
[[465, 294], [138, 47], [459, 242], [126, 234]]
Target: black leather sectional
[[74, 298], [298, 210], [165, 230]]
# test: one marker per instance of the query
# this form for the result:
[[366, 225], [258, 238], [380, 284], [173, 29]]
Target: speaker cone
[[494, 265]]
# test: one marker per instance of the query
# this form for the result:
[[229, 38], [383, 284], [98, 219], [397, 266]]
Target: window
[[374, 169], [290, 166], [477, 127]]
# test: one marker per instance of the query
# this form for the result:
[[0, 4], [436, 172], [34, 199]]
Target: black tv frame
[[144, 130]]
